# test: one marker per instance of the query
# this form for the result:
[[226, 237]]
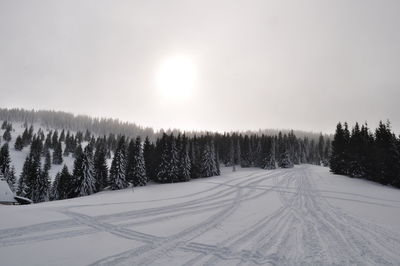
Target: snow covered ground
[[300, 216], [18, 157]]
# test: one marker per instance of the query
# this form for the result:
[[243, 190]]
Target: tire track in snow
[[12, 236], [145, 255]]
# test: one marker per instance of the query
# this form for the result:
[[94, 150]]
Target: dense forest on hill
[[160, 157]]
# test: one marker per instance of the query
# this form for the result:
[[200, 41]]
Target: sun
[[175, 78]]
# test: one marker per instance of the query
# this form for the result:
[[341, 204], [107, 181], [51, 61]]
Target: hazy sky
[[258, 64]]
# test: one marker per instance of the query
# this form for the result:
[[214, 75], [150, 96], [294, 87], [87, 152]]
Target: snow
[[18, 157], [6, 195], [299, 216]]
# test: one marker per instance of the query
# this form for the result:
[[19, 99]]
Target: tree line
[[364, 154], [105, 126], [135, 161]]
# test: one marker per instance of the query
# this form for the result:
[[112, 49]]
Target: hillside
[[18, 157], [298, 216]]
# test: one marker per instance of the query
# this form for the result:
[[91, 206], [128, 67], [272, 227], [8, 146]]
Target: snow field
[[299, 216]]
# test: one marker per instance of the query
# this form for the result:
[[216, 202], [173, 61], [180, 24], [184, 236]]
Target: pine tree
[[7, 135], [387, 154], [232, 156], [54, 193], [185, 164], [130, 162], [238, 153], [77, 172], [19, 145], [4, 125], [321, 146], [207, 161], [339, 156], [355, 153], [30, 179], [173, 167], [285, 161], [57, 154], [54, 140], [42, 186], [86, 182], [87, 135], [47, 160], [26, 138], [118, 166], [215, 160], [62, 136], [9, 176], [139, 177], [163, 164], [195, 158], [168, 170], [63, 185], [100, 166], [4, 158], [270, 161], [149, 158]]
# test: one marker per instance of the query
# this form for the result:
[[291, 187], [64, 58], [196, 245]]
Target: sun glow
[[175, 78]]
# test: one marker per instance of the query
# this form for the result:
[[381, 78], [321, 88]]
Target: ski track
[[306, 230]]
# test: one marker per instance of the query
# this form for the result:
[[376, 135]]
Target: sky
[[301, 64]]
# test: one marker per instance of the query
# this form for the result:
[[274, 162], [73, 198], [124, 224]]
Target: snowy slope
[[18, 157], [300, 216]]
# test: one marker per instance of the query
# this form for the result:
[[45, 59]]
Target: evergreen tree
[[4, 125], [270, 162], [232, 156], [47, 160], [19, 145], [64, 184], [100, 166], [54, 140], [26, 138], [168, 170], [184, 163], [54, 193], [207, 161], [86, 182], [387, 154], [215, 160], [285, 161], [139, 177], [42, 186], [118, 166], [162, 172], [62, 136], [339, 156], [355, 151], [238, 153], [4, 158], [77, 172], [321, 146], [149, 158], [173, 166], [30, 180], [87, 135], [7, 135], [130, 162], [9, 176], [57, 154]]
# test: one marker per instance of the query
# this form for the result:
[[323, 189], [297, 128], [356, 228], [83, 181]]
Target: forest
[[135, 161]]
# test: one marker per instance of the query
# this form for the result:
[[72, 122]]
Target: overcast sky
[[259, 64]]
